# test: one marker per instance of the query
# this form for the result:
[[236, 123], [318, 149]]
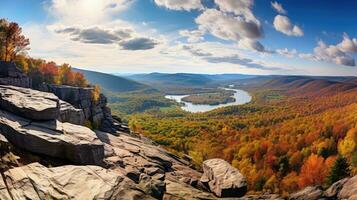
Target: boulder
[[35, 181], [223, 179], [29, 103], [308, 193], [349, 189], [67, 141]]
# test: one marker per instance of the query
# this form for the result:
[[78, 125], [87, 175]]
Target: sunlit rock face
[[223, 179]]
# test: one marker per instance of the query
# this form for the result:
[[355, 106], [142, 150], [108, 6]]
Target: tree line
[[13, 48]]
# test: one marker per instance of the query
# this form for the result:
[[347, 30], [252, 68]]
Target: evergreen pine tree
[[339, 170]]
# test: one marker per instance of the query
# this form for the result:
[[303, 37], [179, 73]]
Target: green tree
[[339, 170]]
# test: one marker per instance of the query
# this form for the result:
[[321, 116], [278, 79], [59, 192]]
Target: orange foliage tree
[[313, 171]]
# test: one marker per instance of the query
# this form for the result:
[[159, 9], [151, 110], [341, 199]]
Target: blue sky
[[199, 36]]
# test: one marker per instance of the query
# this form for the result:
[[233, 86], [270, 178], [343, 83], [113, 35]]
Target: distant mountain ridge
[[164, 80], [112, 83], [311, 85]]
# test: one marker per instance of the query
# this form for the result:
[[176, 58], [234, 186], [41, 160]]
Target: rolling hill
[[167, 82], [112, 83], [305, 85]]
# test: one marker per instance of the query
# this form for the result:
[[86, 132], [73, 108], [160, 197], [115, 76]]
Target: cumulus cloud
[[337, 54], [234, 21], [180, 4], [284, 25], [278, 7], [192, 36], [238, 7], [348, 45], [250, 44], [138, 44], [228, 27]]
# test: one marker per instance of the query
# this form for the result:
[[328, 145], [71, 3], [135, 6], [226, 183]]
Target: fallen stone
[[37, 182], [223, 179], [28, 103], [75, 143]]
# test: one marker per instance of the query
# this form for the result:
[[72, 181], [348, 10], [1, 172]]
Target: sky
[[194, 36]]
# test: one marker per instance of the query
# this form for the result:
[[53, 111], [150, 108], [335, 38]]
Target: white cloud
[[232, 58], [286, 52], [337, 54], [278, 7], [192, 36], [283, 24], [180, 4], [85, 12], [238, 7], [250, 44], [228, 27], [348, 45]]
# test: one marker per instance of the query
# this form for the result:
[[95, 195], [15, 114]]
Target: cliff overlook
[[47, 153]]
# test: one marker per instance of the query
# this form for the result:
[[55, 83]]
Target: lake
[[241, 97]]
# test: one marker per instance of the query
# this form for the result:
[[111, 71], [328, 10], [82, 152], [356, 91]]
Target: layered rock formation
[[10, 75], [126, 166], [120, 166], [96, 112]]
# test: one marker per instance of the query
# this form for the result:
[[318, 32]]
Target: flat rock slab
[[28, 103], [37, 182], [77, 144], [223, 179]]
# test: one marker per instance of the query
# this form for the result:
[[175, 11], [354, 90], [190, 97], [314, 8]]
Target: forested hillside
[[112, 83], [295, 133]]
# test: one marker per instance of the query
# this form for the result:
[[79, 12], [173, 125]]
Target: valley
[[178, 100], [290, 123]]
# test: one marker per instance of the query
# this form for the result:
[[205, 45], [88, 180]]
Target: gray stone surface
[[223, 179], [37, 182], [70, 114], [53, 138], [81, 98], [28, 103], [146, 164], [308, 193]]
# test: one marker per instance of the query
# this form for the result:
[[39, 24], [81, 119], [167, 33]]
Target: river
[[240, 96]]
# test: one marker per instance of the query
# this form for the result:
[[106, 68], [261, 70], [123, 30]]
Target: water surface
[[240, 96]]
